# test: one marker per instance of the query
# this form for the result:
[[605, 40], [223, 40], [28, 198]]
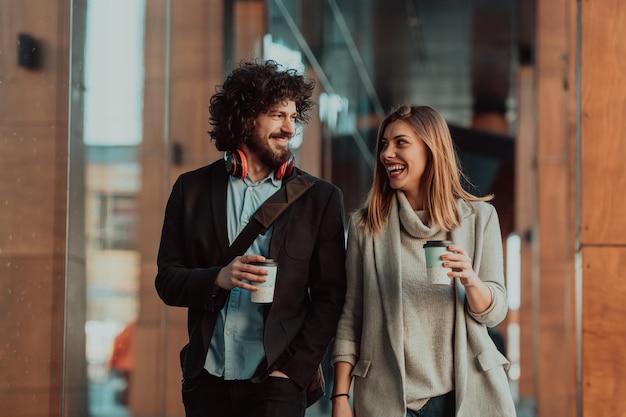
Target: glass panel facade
[[141, 75], [142, 119]]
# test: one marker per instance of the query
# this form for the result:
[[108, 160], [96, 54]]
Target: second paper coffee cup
[[437, 273], [265, 291]]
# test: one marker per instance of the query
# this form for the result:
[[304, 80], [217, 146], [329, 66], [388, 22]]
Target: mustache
[[280, 136]]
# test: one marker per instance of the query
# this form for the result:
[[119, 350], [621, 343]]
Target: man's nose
[[289, 126]]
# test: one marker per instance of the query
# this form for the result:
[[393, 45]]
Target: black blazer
[[308, 241]]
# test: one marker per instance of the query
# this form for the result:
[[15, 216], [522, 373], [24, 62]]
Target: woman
[[413, 348]]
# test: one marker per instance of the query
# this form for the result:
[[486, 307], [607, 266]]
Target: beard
[[268, 156]]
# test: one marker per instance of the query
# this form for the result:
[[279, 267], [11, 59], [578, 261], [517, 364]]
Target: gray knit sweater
[[427, 313]]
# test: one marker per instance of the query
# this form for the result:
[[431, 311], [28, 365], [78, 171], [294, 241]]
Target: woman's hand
[[461, 266], [341, 407], [341, 387], [478, 294]]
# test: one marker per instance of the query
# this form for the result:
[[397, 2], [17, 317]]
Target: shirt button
[[232, 304], [250, 189]]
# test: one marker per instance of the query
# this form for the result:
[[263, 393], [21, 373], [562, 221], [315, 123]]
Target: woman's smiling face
[[404, 155]]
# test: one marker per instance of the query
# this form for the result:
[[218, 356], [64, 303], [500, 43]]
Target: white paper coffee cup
[[265, 290], [437, 273]]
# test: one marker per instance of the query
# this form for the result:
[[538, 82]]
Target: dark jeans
[[210, 396], [441, 406]]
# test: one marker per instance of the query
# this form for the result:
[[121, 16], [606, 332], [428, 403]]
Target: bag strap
[[269, 211], [291, 189]]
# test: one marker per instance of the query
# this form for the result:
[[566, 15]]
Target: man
[[247, 359]]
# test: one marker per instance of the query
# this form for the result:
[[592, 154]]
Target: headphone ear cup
[[236, 163], [286, 169]]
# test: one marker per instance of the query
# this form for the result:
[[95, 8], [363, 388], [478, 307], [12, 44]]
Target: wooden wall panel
[[556, 343], [604, 331], [176, 109], [25, 157], [250, 24], [146, 399], [33, 215], [149, 387], [603, 181], [190, 57], [603, 122], [190, 121], [27, 94], [155, 34]]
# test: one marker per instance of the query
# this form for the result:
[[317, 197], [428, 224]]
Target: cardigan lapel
[[463, 237], [386, 247]]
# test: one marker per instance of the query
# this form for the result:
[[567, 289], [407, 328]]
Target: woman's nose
[[387, 153]]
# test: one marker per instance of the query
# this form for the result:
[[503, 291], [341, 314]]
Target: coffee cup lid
[[437, 243], [268, 262]]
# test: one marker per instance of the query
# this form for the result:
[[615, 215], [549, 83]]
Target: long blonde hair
[[441, 179]]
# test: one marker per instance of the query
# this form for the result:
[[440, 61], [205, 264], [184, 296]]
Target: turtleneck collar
[[414, 222]]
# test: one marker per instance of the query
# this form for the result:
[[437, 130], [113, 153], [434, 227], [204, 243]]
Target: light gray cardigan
[[370, 336]]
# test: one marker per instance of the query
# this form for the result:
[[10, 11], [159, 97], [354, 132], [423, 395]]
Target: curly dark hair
[[250, 90]]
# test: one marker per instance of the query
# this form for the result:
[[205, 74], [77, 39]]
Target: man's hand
[[234, 274], [279, 374]]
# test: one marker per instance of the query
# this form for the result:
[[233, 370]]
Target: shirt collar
[[272, 177]]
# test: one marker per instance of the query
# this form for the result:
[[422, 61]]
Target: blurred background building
[[104, 102]]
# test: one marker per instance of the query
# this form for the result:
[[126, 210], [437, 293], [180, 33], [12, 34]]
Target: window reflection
[[114, 80], [114, 67], [113, 223], [113, 272]]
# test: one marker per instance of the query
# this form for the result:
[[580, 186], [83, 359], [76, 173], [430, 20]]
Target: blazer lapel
[[218, 195]]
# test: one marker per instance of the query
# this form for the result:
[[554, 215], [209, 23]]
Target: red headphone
[[237, 165]]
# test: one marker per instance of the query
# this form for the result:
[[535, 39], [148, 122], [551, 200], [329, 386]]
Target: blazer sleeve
[[179, 282], [489, 264], [347, 341]]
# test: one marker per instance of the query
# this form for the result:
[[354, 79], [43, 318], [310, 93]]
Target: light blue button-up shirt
[[237, 344]]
